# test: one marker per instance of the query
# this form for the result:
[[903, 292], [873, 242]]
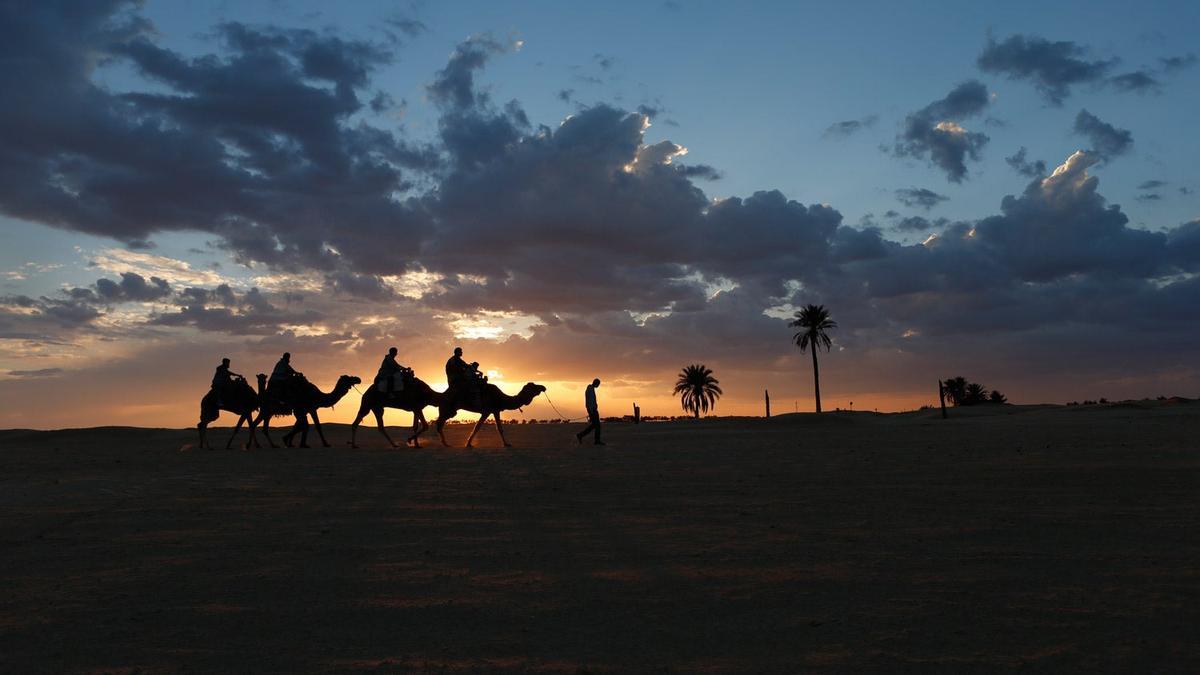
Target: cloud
[[1107, 141], [920, 198], [1061, 226], [36, 374], [917, 224], [1138, 81], [935, 132], [1031, 169], [1153, 184], [224, 310], [1149, 197], [1052, 67], [1172, 64], [848, 128], [231, 143], [133, 287]]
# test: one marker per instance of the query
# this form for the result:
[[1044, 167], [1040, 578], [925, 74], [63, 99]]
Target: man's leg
[[595, 419], [586, 430]]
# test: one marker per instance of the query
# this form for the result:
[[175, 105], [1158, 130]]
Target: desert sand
[[1047, 539]]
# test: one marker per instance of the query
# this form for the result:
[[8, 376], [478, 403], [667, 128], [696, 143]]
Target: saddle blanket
[[397, 383]]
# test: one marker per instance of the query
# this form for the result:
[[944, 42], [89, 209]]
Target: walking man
[[589, 402]]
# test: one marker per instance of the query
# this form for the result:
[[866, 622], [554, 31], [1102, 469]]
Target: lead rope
[[560, 415]]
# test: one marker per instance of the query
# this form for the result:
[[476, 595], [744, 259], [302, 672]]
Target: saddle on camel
[[392, 377]]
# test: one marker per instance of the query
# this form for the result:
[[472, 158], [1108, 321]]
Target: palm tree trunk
[[816, 378], [697, 411]]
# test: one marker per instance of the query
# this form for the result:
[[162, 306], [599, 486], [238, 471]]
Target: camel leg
[[362, 412], [441, 425], [382, 429], [419, 427], [253, 442], [236, 428], [317, 424], [266, 426], [500, 429], [482, 419], [287, 438], [202, 427], [301, 426]]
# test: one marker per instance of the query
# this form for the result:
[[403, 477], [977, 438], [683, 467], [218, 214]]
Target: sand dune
[[1053, 539]]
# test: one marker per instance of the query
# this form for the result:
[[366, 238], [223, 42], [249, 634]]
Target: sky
[[612, 190]]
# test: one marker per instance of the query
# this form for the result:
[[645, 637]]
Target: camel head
[[531, 391], [262, 382], [346, 381]]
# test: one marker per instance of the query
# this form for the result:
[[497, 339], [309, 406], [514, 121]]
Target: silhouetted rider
[[464, 377], [283, 375], [388, 370], [457, 369], [222, 379]]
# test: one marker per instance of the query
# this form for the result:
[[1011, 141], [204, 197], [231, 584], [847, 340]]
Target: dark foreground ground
[[1049, 540]]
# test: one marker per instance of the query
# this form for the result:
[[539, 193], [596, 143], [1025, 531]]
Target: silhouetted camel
[[303, 399], [415, 397], [490, 402], [240, 399]]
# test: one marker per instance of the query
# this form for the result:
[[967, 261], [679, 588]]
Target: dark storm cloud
[[224, 310], [132, 287], [1061, 226], [1052, 67], [472, 129], [701, 171], [365, 286], [1107, 140], [258, 136], [588, 215], [848, 128], [73, 308], [1025, 167], [920, 198], [934, 132], [454, 85]]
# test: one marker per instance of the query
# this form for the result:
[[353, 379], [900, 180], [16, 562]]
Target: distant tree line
[[961, 392]]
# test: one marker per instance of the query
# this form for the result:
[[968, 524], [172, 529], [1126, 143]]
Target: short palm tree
[[813, 322], [697, 389], [956, 390], [976, 393]]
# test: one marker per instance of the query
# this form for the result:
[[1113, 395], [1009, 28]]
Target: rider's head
[[224, 362], [458, 351], [596, 382], [287, 356], [393, 351]]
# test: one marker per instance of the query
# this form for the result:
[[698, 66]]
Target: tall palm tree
[[813, 321], [697, 389]]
